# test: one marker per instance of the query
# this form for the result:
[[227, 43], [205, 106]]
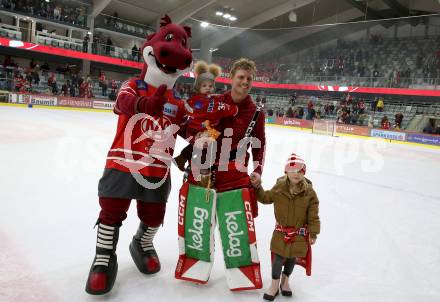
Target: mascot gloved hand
[[153, 105]]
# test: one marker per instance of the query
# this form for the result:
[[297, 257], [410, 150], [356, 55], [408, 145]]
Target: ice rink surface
[[379, 209]]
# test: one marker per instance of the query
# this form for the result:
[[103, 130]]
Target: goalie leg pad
[[196, 224]]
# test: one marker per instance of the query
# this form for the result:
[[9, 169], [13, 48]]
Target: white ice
[[379, 208]]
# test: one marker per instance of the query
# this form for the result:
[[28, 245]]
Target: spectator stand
[[106, 23], [52, 39], [10, 31], [67, 12], [16, 79], [409, 109]]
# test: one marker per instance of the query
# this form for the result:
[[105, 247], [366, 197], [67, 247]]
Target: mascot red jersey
[[138, 161]]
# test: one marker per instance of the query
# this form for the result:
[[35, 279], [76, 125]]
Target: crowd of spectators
[[354, 59], [267, 71], [54, 10], [102, 45], [431, 128], [26, 79], [348, 110], [360, 59]]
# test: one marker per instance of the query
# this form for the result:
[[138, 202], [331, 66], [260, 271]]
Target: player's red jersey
[[144, 144], [207, 107]]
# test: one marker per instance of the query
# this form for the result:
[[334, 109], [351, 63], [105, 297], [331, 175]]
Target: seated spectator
[[354, 118], [374, 104], [32, 64], [270, 112], [36, 77], [4, 85], [108, 46], [292, 99], [380, 105], [95, 44], [327, 108], [114, 88], [258, 99], [398, 121], [311, 114], [19, 82], [28, 76], [430, 128], [82, 18], [65, 88], [361, 106], [300, 112], [346, 117], [289, 112], [280, 113], [332, 106], [88, 88], [348, 99], [72, 91], [45, 68], [385, 123], [56, 10], [103, 83], [134, 52], [375, 72], [86, 43]]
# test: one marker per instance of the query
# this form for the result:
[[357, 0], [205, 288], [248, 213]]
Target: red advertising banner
[[294, 122], [352, 129], [351, 89], [74, 102], [68, 53]]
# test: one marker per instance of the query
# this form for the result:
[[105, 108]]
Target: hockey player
[[296, 208], [232, 204], [138, 161]]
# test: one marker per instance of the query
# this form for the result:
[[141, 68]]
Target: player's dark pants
[[278, 263], [116, 190], [114, 211]]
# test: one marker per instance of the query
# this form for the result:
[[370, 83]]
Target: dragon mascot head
[[166, 54]]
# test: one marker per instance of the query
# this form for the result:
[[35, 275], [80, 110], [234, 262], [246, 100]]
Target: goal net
[[325, 127]]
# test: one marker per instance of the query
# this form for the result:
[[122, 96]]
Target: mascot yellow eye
[[169, 37]]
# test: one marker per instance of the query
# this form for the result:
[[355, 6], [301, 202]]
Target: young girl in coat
[[296, 208]]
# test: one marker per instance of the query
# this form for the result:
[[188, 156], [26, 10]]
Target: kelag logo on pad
[[200, 215], [233, 233]]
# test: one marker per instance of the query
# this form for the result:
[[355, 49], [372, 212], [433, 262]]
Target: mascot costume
[[138, 161]]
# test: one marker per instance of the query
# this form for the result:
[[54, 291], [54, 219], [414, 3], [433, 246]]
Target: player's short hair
[[244, 64]]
